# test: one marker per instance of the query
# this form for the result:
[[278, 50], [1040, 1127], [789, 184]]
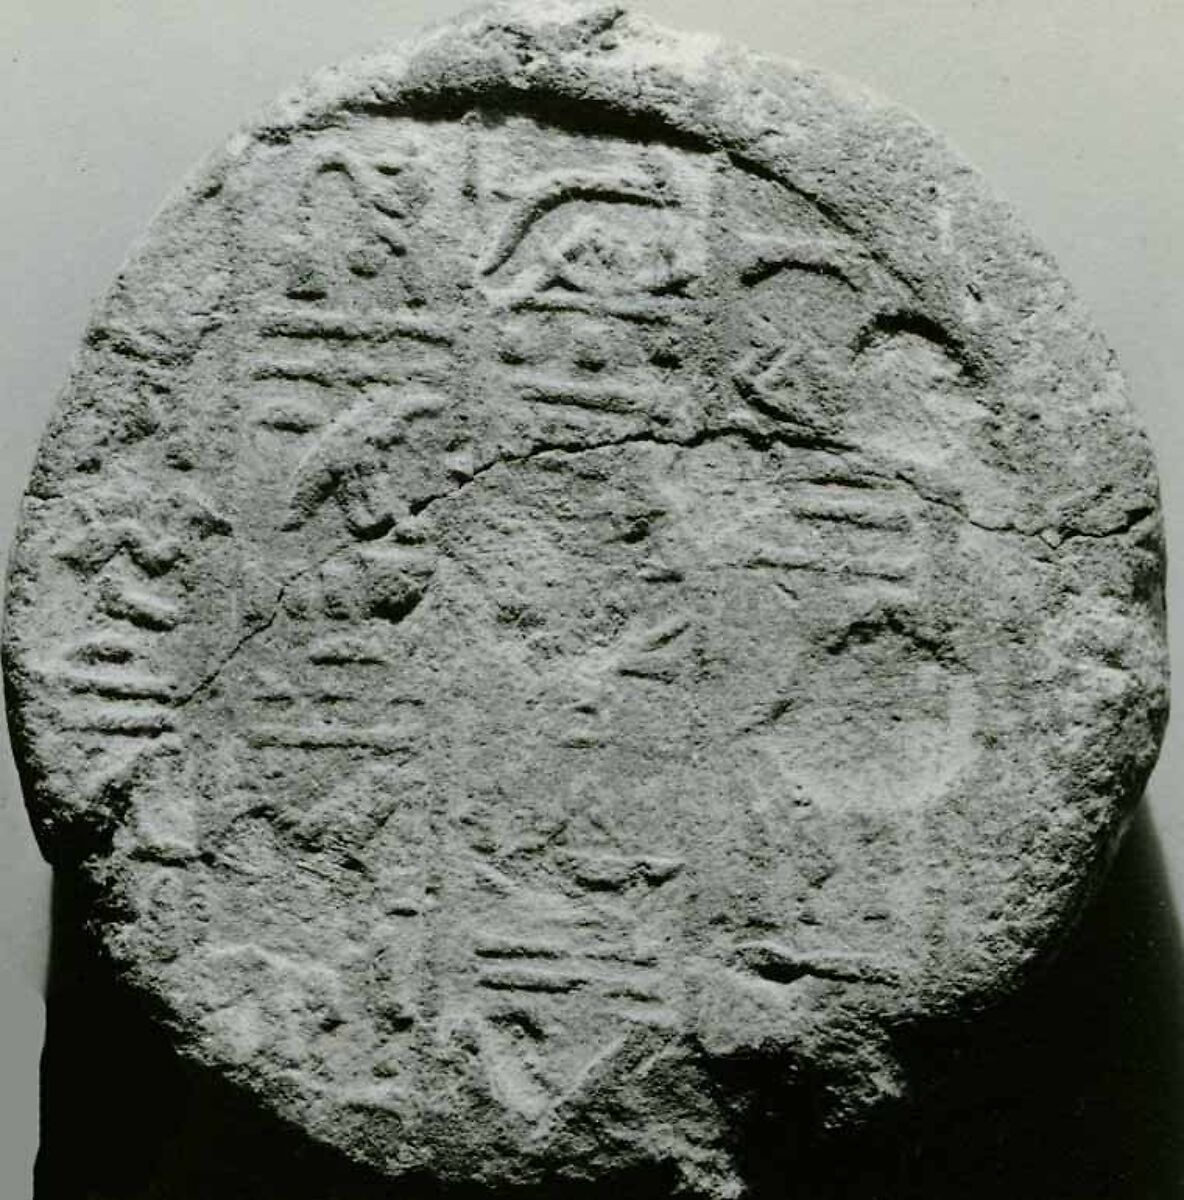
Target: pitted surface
[[574, 558]]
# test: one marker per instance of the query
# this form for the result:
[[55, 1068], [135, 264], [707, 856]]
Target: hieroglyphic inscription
[[588, 293], [535, 613], [116, 687], [560, 965]]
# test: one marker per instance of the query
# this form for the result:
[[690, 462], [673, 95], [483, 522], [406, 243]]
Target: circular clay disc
[[581, 568]]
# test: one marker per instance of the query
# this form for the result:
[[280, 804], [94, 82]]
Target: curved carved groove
[[886, 325], [767, 270], [827, 258]]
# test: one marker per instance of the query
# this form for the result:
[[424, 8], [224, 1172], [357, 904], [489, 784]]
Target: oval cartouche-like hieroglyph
[[578, 568]]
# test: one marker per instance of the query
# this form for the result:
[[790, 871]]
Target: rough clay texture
[[586, 584]]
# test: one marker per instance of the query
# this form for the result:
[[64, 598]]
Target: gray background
[[1073, 108]]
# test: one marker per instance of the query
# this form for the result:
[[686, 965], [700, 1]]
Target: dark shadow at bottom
[[1072, 1091]]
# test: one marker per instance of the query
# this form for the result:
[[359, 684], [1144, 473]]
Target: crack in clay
[[755, 437], [1054, 536], [472, 755], [417, 507], [762, 440], [1135, 517], [208, 680]]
